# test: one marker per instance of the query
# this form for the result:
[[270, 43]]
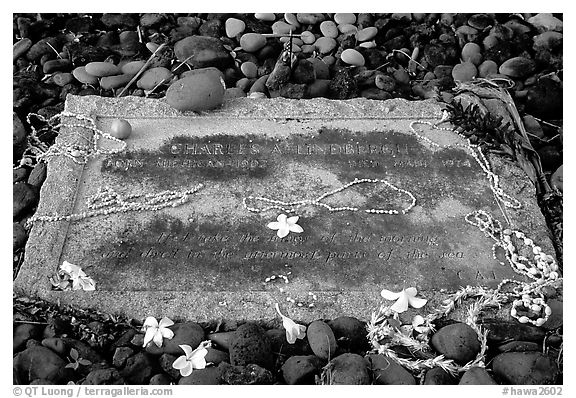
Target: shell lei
[[543, 271]]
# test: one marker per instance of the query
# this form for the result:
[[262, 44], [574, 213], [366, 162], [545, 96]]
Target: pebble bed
[[184, 58]]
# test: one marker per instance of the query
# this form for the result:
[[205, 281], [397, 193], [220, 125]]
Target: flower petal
[[295, 228], [158, 338], [278, 309], [180, 362], [274, 225], [416, 302], [150, 332], [87, 284], [166, 333], [417, 320], [164, 322], [187, 349], [281, 218], [411, 291], [301, 332], [290, 336], [198, 359], [283, 231], [389, 295], [292, 220], [187, 370], [150, 322], [401, 304]]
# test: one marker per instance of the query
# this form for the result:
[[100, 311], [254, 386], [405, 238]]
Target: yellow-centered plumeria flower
[[293, 330], [192, 359], [285, 225], [79, 279], [403, 299], [155, 331]]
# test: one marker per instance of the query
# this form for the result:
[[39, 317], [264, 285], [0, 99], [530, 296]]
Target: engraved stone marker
[[213, 257]]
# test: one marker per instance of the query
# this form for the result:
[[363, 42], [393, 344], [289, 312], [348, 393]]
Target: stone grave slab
[[211, 257]]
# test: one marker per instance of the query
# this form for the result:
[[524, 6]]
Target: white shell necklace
[[290, 207], [79, 153], [543, 270], [477, 154], [107, 201]]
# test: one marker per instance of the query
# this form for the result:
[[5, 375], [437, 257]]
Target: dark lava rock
[[517, 67], [525, 368], [387, 371], [57, 345], [279, 76], [19, 174], [519, 346], [550, 157], [79, 24], [127, 336], [43, 47], [216, 356], [150, 19], [160, 379], [373, 57], [457, 341], [343, 85], [281, 346], [37, 362], [212, 28], [374, 93], [349, 369], [304, 72], [121, 354], [25, 196], [207, 376], [84, 53], [18, 137], [57, 65], [19, 237], [293, 91], [129, 43], [350, 333], [84, 350], [112, 21], [556, 319], [139, 368], [301, 369], [189, 333], [321, 339], [439, 377], [544, 100], [251, 345], [101, 377], [500, 331], [476, 376], [440, 54], [221, 339], [166, 361], [245, 375], [203, 52], [24, 332], [480, 21]]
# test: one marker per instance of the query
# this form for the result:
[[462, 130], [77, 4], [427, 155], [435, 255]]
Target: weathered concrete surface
[[210, 257]]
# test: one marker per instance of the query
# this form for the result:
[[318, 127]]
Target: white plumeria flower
[[78, 277], [293, 330], [419, 325], [403, 299], [156, 332], [285, 225], [192, 359]]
